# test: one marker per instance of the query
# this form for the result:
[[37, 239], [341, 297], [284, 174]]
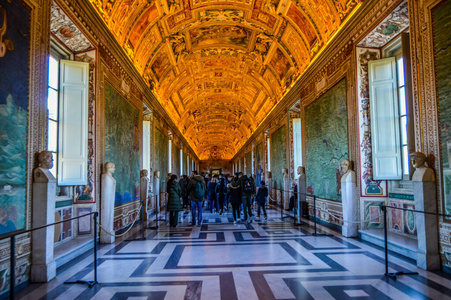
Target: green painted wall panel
[[326, 136], [122, 144], [161, 157], [278, 156], [442, 45]]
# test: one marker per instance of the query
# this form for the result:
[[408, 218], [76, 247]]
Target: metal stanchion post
[[391, 275], [384, 210], [142, 219], [96, 214], [12, 272], [94, 282], [314, 211], [314, 219]]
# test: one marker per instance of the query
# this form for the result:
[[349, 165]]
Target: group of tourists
[[217, 191]]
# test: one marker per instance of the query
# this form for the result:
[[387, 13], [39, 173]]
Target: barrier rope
[[354, 222], [344, 221], [119, 235]]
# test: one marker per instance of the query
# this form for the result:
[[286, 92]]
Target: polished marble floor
[[269, 259]]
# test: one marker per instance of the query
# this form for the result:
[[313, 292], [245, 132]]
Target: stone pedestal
[[108, 194], [428, 257], [302, 193], [43, 267], [349, 198], [286, 192], [156, 189], [144, 193]]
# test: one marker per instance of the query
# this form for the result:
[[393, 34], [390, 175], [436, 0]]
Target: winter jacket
[[235, 195], [211, 191], [241, 182], [183, 184], [221, 190], [175, 192], [262, 194], [190, 189]]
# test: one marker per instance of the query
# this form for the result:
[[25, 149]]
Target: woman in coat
[[235, 199], [211, 194], [174, 205], [221, 191]]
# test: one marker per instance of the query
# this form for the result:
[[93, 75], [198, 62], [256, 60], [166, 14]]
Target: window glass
[[53, 136], [53, 72], [55, 163], [404, 130], [402, 101], [401, 71], [405, 161], [52, 104]]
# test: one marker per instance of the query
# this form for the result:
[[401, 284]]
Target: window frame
[[399, 48], [57, 52]]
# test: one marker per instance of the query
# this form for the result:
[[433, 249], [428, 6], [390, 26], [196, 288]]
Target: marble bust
[[348, 173], [422, 173], [301, 171], [42, 173], [285, 172], [156, 174], [144, 173], [45, 160]]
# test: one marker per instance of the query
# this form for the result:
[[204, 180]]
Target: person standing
[[247, 187], [183, 184], [261, 197], [234, 193], [211, 194], [174, 205], [196, 191], [221, 190]]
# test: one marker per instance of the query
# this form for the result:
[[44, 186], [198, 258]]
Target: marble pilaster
[[43, 267]]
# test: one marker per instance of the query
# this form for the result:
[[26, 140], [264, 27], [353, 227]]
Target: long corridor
[[269, 259]]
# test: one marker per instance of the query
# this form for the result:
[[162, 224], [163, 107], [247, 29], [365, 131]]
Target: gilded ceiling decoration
[[65, 30], [395, 23], [219, 67]]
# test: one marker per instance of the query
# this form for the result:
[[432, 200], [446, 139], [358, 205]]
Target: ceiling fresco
[[219, 67]]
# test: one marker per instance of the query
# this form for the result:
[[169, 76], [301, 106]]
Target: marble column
[[144, 191], [302, 189], [43, 266], [349, 196], [424, 191], [108, 194]]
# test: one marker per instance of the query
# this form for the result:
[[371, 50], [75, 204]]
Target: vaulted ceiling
[[218, 67]]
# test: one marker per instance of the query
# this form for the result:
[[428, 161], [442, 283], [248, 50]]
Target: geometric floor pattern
[[263, 260]]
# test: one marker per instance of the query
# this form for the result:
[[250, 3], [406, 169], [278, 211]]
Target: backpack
[[199, 190], [248, 186]]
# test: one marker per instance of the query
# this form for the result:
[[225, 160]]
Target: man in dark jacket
[[195, 201], [246, 196], [183, 184]]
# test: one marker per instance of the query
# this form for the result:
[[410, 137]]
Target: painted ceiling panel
[[218, 66]]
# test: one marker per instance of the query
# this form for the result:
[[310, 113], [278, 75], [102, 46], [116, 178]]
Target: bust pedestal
[[349, 201], [43, 267], [428, 257], [286, 192], [108, 194], [144, 193], [156, 182], [302, 194]]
